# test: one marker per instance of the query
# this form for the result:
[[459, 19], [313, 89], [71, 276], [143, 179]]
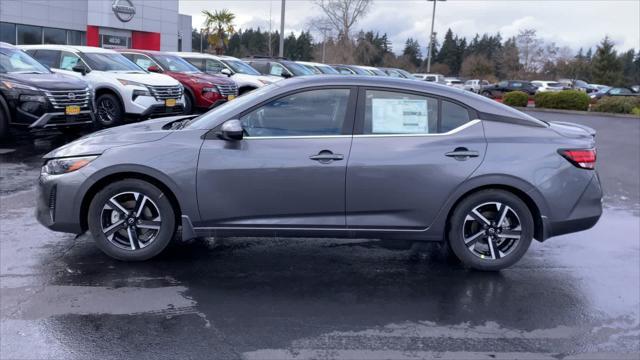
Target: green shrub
[[618, 105], [515, 98], [636, 111], [566, 99]]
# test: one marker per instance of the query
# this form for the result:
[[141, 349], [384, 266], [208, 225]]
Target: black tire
[[485, 252], [188, 104], [120, 245], [4, 123], [109, 111], [486, 94]]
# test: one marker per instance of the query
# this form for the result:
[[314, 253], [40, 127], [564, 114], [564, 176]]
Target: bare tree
[[343, 14], [531, 50]]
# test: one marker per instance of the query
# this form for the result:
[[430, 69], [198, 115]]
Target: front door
[[409, 153], [288, 171]]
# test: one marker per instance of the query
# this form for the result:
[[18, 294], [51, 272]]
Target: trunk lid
[[572, 130]]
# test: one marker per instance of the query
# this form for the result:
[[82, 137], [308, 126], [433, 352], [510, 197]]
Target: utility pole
[[270, 45], [324, 41], [201, 33], [281, 53], [431, 35]]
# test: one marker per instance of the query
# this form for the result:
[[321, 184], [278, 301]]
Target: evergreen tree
[[509, 65], [628, 67], [412, 51], [606, 66]]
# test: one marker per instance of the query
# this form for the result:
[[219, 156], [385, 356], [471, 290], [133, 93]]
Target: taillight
[[582, 158]]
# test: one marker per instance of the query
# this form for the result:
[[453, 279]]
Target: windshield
[[18, 62], [604, 89], [175, 63], [325, 69], [311, 68], [110, 62], [297, 69], [241, 67], [377, 72], [206, 121]]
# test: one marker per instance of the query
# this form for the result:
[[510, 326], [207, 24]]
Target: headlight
[[34, 98], [137, 93], [212, 89], [200, 81], [131, 83], [15, 85], [66, 165]]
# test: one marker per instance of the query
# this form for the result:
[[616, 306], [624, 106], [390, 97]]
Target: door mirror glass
[[231, 130], [154, 68], [226, 71]]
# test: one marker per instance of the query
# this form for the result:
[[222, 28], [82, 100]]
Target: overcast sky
[[577, 23]]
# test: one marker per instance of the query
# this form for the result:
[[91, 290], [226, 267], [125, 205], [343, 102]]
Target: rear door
[[409, 152], [288, 171]]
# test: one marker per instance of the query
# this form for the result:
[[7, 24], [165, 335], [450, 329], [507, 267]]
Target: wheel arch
[[520, 188], [4, 108], [108, 90], [107, 179]]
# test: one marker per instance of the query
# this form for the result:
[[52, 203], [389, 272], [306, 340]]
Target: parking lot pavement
[[575, 296]]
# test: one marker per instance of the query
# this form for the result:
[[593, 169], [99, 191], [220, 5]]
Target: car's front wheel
[[491, 230], [131, 220], [109, 111]]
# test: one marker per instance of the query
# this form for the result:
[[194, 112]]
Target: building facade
[[138, 24]]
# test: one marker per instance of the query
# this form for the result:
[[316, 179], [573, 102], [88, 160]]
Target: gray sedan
[[331, 156]]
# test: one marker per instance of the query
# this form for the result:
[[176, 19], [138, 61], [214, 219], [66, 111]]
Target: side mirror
[[80, 68], [226, 72], [231, 130], [154, 68], [286, 75]]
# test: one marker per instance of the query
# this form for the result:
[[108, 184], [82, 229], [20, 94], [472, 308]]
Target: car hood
[[96, 143], [190, 77], [51, 81], [571, 130], [144, 78], [247, 77]]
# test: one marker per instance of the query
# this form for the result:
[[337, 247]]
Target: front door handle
[[462, 153], [326, 156]]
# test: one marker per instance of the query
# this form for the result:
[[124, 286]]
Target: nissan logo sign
[[123, 9]]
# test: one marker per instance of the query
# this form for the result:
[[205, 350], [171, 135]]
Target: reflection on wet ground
[[271, 298]]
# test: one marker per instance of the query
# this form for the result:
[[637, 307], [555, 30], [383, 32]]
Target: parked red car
[[202, 91]]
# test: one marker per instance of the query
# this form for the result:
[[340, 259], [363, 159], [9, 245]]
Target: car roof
[[312, 63], [71, 48]]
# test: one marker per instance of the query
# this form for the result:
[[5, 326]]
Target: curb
[[578, 112]]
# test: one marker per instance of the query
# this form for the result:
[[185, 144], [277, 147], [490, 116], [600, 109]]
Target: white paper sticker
[[399, 116]]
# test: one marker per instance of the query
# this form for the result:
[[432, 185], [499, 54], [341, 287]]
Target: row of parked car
[[43, 86]]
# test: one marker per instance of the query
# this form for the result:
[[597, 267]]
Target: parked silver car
[[331, 156]]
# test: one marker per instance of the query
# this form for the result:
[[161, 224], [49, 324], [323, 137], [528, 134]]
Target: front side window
[[141, 60], [175, 63], [68, 60], [241, 67], [389, 112], [276, 69], [307, 113], [214, 66]]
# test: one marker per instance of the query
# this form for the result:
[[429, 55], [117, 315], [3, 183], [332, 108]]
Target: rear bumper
[[585, 213]]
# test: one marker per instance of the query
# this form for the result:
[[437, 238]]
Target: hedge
[[618, 104], [515, 98], [566, 99]]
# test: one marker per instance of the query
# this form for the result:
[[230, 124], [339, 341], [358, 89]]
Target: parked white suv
[[548, 86], [475, 85], [437, 78], [122, 89], [242, 73]]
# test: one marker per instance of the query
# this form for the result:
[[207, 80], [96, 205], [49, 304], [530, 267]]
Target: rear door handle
[[462, 153], [326, 156]]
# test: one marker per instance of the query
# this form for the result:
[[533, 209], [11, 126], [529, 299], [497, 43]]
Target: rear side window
[[214, 66], [453, 116], [199, 63], [51, 58], [389, 112], [307, 113]]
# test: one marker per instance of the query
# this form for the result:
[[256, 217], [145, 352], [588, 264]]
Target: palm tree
[[219, 26]]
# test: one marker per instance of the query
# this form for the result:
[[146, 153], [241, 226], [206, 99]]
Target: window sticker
[[68, 62], [143, 63], [399, 116]]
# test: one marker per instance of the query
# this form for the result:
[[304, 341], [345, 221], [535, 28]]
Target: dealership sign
[[123, 9]]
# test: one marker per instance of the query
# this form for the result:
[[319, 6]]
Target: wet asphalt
[[574, 296]]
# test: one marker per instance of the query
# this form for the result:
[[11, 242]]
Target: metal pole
[[281, 53], [433, 19], [201, 31], [324, 42]]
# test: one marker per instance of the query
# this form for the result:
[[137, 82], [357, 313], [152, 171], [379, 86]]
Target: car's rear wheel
[[109, 111], [131, 220], [491, 230], [188, 104]]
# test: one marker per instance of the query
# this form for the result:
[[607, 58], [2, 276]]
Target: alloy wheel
[[492, 230], [130, 220], [106, 111]]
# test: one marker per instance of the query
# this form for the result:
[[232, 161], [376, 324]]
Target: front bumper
[[61, 119], [585, 213], [56, 201]]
